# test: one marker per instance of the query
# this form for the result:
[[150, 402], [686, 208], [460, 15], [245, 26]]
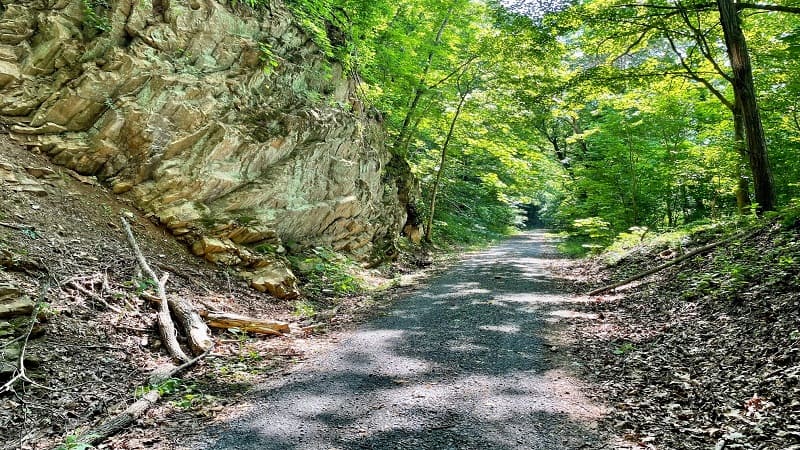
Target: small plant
[[30, 233], [166, 387], [93, 17], [303, 308], [145, 284], [269, 61], [71, 442], [326, 271], [624, 348], [266, 249]]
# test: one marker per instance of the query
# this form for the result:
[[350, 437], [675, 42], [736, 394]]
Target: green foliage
[[621, 126], [624, 348], [71, 442], [327, 272], [189, 396], [93, 16], [304, 309], [166, 387], [269, 61]]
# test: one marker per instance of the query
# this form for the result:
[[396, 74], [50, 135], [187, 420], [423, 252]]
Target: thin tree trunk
[[744, 88], [421, 87], [442, 161]]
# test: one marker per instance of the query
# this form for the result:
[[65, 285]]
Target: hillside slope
[[705, 354]]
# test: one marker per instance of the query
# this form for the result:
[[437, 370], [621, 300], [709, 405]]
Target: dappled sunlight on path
[[462, 364]]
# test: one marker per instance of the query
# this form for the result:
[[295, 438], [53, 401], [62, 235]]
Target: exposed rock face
[[221, 121]]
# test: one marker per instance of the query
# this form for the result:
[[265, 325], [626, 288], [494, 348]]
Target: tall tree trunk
[[442, 161], [742, 191], [744, 89]]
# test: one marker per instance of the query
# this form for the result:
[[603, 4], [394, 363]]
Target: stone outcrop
[[228, 124]]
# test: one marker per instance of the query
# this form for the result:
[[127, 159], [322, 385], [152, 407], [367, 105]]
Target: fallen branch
[[113, 425], [190, 320], [673, 262], [216, 319], [244, 323], [166, 327], [94, 296], [20, 374], [15, 226]]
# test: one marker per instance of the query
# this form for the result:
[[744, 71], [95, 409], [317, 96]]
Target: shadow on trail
[[462, 364]]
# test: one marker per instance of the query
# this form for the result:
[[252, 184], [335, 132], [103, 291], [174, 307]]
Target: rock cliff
[[228, 124]]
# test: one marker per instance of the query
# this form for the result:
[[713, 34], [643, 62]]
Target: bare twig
[[95, 296], [15, 226]]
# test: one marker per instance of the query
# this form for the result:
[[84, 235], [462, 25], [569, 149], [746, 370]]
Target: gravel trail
[[462, 364]]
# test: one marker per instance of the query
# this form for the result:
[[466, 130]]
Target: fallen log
[[216, 319], [166, 327], [244, 323], [699, 251], [196, 330], [122, 420]]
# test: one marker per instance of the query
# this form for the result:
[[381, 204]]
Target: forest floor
[[703, 355]]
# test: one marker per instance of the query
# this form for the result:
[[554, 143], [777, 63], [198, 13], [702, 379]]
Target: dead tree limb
[[699, 251], [217, 319], [20, 374], [166, 327], [191, 322], [244, 323], [122, 420]]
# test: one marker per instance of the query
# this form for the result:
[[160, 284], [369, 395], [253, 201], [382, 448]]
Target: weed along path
[[464, 363]]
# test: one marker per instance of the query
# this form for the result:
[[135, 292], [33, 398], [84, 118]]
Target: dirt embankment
[[702, 355]]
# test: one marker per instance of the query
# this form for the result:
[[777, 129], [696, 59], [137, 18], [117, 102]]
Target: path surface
[[462, 364]]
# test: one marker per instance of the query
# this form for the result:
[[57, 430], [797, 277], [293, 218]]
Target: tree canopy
[[600, 115]]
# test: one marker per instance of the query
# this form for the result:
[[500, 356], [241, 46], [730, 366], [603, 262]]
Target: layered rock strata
[[229, 125]]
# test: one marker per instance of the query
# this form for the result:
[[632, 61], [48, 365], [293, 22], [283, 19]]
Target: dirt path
[[463, 364]]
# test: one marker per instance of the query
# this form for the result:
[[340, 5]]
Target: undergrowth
[[325, 272]]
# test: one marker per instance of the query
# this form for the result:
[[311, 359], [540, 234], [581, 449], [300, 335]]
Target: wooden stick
[[166, 327], [113, 425], [15, 226], [244, 323], [675, 261]]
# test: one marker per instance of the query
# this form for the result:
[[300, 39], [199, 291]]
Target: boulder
[[13, 307], [276, 279]]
